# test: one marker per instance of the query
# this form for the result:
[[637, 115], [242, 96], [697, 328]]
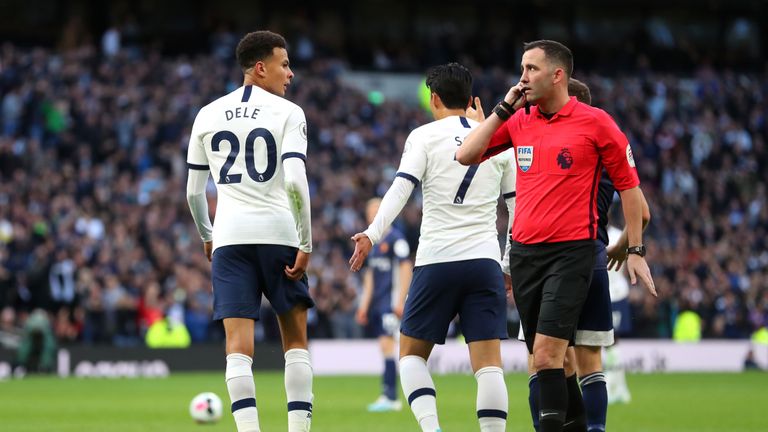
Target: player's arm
[[617, 252], [402, 252], [391, 205], [365, 298], [413, 165], [197, 162], [297, 188], [508, 186], [476, 142]]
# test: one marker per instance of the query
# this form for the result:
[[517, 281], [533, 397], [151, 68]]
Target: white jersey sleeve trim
[[198, 204], [298, 196], [391, 205]]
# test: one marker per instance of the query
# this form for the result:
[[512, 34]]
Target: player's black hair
[[556, 52], [453, 83], [580, 90], [257, 46]]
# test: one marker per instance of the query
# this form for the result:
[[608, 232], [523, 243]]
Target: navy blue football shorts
[[595, 326], [473, 289], [242, 273]]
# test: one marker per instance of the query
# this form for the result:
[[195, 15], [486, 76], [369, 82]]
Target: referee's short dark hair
[[257, 46], [556, 53], [580, 90], [453, 83]]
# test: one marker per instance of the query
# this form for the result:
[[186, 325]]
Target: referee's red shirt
[[559, 162]]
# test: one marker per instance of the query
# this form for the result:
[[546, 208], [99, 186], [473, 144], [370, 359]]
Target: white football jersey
[[617, 280], [243, 137], [459, 202]]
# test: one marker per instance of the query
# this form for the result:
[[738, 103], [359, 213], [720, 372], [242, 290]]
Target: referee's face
[[278, 72], [536, 75]]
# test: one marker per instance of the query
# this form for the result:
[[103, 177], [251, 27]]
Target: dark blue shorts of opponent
[[595, 326], [473, 289], [242, 273]]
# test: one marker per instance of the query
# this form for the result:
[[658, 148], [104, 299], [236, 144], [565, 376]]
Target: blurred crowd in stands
[[95, 229]]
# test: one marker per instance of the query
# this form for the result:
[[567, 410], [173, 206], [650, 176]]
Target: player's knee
[[547, 358], [240, 346]]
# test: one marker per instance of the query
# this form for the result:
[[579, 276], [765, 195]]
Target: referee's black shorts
[[550, 282]]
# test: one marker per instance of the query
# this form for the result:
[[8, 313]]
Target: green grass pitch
[[661, 403]]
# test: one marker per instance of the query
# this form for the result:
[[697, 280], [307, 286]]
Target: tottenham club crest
[[524, 157], [565, 158]]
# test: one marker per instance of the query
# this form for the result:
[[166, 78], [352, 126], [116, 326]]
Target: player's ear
[[434, 101], [260, 69]]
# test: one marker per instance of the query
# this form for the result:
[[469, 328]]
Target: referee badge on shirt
[[524, 157], [630, 157]]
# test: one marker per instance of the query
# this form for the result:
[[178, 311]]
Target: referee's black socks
[[576, 416], [553, 399]]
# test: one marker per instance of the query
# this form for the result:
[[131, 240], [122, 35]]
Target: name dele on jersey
[[524, 157], [241, 112]]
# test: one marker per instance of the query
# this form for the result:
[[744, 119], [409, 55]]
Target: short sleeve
[[401, 249], [295, 138], [616, 153], [413, 164]]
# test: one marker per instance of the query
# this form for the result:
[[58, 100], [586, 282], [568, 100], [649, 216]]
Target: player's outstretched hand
[[476, 113], [299, 266], [363, 247], [208, 248], [637, 267], [617, 254]]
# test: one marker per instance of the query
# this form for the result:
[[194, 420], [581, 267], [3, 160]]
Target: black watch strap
[[502, 111], [637, 250]]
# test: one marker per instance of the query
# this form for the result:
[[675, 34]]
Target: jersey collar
[[565, 111]]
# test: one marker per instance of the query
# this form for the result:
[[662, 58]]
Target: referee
[[561, 148]]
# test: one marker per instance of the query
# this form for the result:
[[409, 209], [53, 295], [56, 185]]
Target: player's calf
[[242, 392]]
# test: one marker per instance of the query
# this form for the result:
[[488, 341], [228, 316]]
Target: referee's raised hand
[[638, 268]]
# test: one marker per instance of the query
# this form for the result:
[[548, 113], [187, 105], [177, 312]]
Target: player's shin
[[420, 391], [595, 400], [298, 389], [533, 399], [242, 392], [492, 399]]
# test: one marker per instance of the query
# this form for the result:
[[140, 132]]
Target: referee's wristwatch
[[637, 250], [503, 110]]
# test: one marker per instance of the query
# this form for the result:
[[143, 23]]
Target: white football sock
[[242, 392], [420, 391], [298, 389], [492, 399]]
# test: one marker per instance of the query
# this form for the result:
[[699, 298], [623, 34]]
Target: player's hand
[[637, 267], [208, 248], [508, 285], [363, 247], [361, 316], [476, 113], [616, 256], [299, 266], [398, 310], [516, 96]]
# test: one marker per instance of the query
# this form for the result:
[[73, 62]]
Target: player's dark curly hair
[[580, 90], [453, 83], [257, 46], [556, 52]]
